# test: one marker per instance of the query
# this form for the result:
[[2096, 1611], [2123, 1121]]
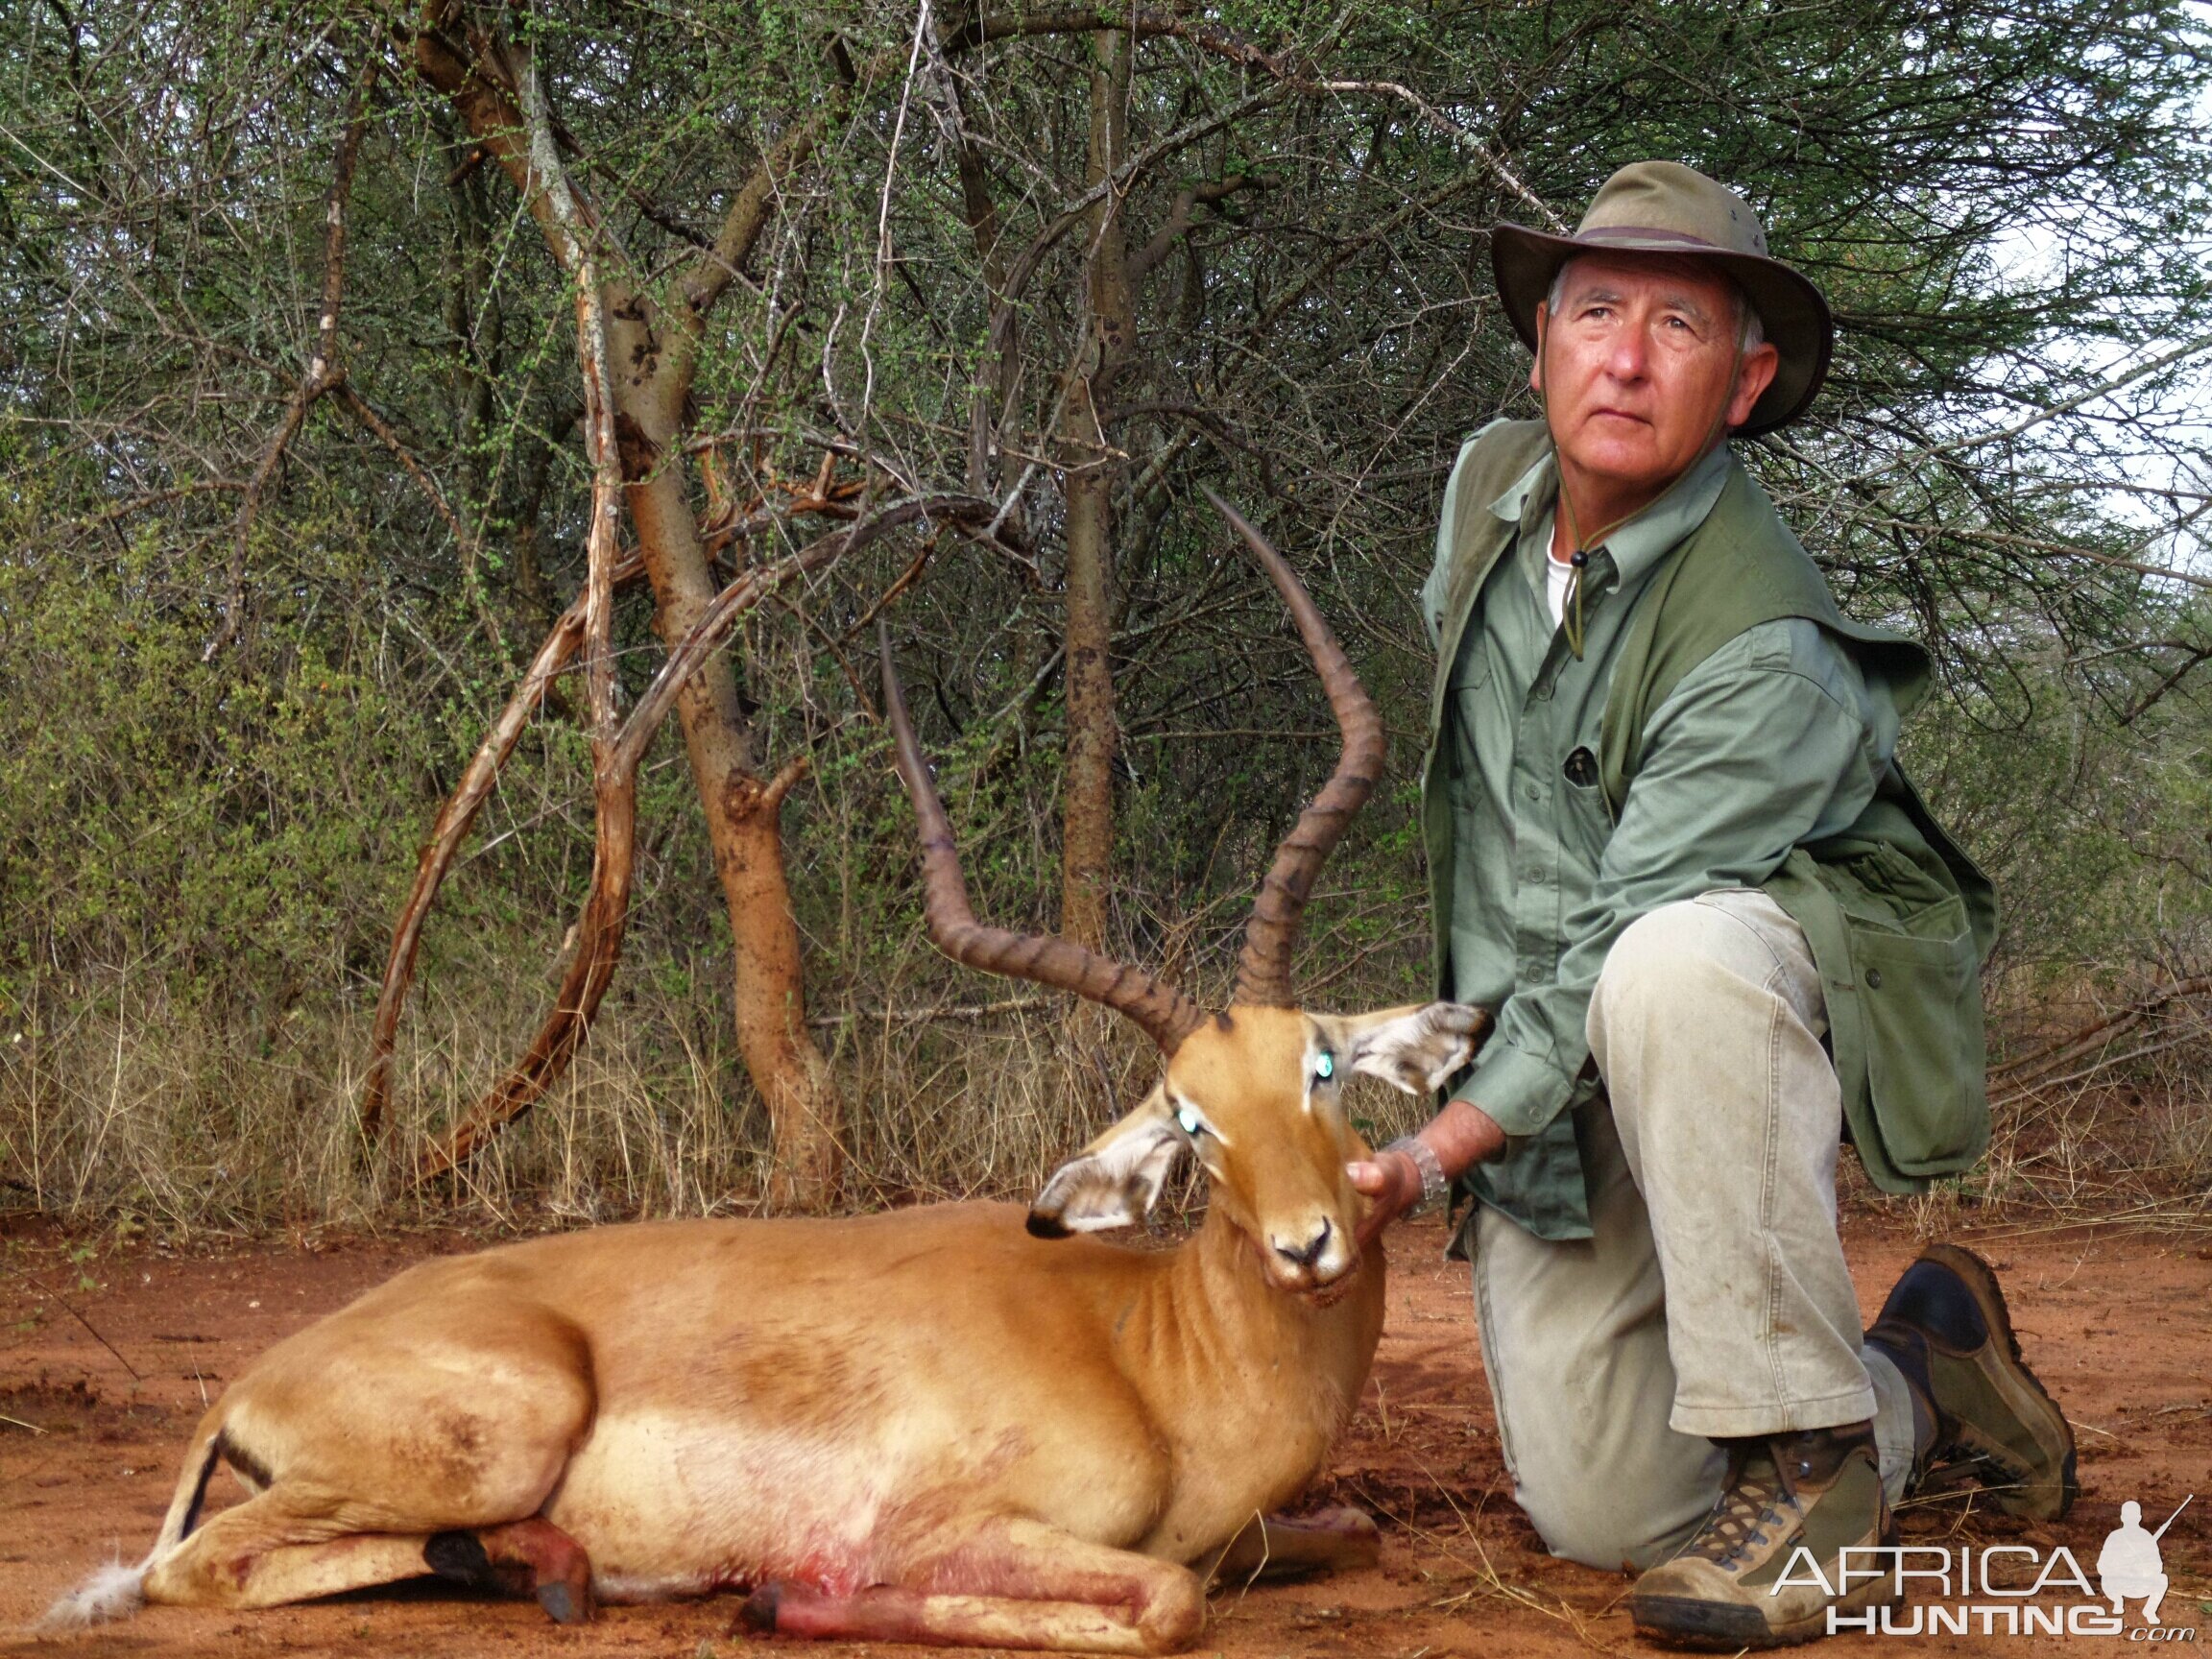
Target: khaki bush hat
[[1665, 208]]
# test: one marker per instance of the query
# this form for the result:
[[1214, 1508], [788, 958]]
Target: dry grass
[[127, 1106], [137, 1110]]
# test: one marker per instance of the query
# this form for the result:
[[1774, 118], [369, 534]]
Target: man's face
[[1639, 371]]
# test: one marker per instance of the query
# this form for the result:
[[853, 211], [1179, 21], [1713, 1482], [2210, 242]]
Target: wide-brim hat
[[1665, 208]]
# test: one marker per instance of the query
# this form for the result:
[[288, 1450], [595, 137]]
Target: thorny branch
[[2017, 1078], [2104, 388], [455, 819], [326, 371]]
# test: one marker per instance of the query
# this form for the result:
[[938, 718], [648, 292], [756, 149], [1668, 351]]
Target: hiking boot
[[1742, 1581], [1946, 1328]]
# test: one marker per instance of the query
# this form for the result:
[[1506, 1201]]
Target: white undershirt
[[1556, 573]]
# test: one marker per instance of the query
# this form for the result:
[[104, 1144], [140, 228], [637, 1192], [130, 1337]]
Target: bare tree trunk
[[1087, 843], [743, 811], [654, 349], [803, 1106]]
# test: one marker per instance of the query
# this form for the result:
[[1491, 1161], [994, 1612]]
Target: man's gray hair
[[1753, 331]]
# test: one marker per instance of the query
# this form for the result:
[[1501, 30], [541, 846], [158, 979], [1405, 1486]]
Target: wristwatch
[[1433, 1186]]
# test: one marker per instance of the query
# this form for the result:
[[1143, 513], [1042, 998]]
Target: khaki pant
[[1713, 1300]]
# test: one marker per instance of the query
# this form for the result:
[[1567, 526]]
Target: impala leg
[[261, 1552], [1332, 1540], [363, 1456], [1014, 1584]]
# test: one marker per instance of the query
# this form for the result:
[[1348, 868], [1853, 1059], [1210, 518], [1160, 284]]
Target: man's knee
[[1609, 1523], [1698, 958], [1597, 1468], [1666, 960]]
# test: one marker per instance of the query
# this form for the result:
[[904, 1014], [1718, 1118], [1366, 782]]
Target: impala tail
[[116, 1591]]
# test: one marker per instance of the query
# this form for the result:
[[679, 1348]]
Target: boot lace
[[1758, 1496]]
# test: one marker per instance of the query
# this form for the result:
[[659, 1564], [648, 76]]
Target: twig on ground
[[67, 1309]]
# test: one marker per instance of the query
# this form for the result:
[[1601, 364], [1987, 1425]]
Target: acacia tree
[[653, 336], [1028, 273]]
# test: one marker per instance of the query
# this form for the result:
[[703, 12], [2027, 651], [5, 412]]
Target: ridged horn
[[1271, 935], [1166, 1013]]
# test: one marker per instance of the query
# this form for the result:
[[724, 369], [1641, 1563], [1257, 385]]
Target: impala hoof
[[565, 1603], [758, 1617], [459, 1558]]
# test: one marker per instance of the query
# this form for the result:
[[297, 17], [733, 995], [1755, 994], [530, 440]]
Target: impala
[[954, 1424]]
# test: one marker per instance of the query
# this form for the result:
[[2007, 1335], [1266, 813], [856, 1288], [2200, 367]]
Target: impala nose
[[1309, 1254]]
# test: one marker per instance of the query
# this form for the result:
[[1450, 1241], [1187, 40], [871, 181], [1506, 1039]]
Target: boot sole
[[1728, 1628], [1981, 1281]]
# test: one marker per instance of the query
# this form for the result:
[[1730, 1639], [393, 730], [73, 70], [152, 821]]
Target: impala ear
[[1115, 1181], [1415, 1049]]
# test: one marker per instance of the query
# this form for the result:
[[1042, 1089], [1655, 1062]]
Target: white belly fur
[[677, 1505]]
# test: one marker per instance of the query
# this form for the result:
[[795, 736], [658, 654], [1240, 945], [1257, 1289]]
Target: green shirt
[[1775, 740]]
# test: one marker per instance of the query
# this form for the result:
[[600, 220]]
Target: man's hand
[[1392, 1185], [1462, 1135]]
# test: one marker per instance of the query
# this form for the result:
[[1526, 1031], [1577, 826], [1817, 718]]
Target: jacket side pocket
[[1920, 999]]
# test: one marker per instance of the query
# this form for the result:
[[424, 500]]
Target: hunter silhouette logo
[[2129, 1565]]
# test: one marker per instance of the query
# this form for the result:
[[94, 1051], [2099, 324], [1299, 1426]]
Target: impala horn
[[1264, 970], [1166, 1013]]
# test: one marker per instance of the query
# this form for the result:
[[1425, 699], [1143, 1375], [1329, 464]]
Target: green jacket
[[1897, 918]]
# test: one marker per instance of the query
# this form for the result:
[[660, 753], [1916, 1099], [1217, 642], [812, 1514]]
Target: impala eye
[[1191, 1122], [1325, 1067]]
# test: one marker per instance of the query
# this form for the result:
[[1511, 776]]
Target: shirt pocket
[[1472, 671], [1586, 821]]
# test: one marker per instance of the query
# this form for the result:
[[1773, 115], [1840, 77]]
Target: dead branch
[[155, 499], [716, 266], [455, 819], [1999, 539], [324, 370], [614, 785], [906, 579], [458, 816], [69, 1309], [599, 929], [1115, 184], [2120, 381], [2020, 1075], [1212, 193], [926, 1016], [1453, 130], [382, 431], [2150, 699], [967, 513], [725, 521]]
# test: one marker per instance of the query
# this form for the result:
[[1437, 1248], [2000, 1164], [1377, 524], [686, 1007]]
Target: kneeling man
[[1671, 845]]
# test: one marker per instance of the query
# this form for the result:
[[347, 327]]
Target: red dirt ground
[[2117, 1325]]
